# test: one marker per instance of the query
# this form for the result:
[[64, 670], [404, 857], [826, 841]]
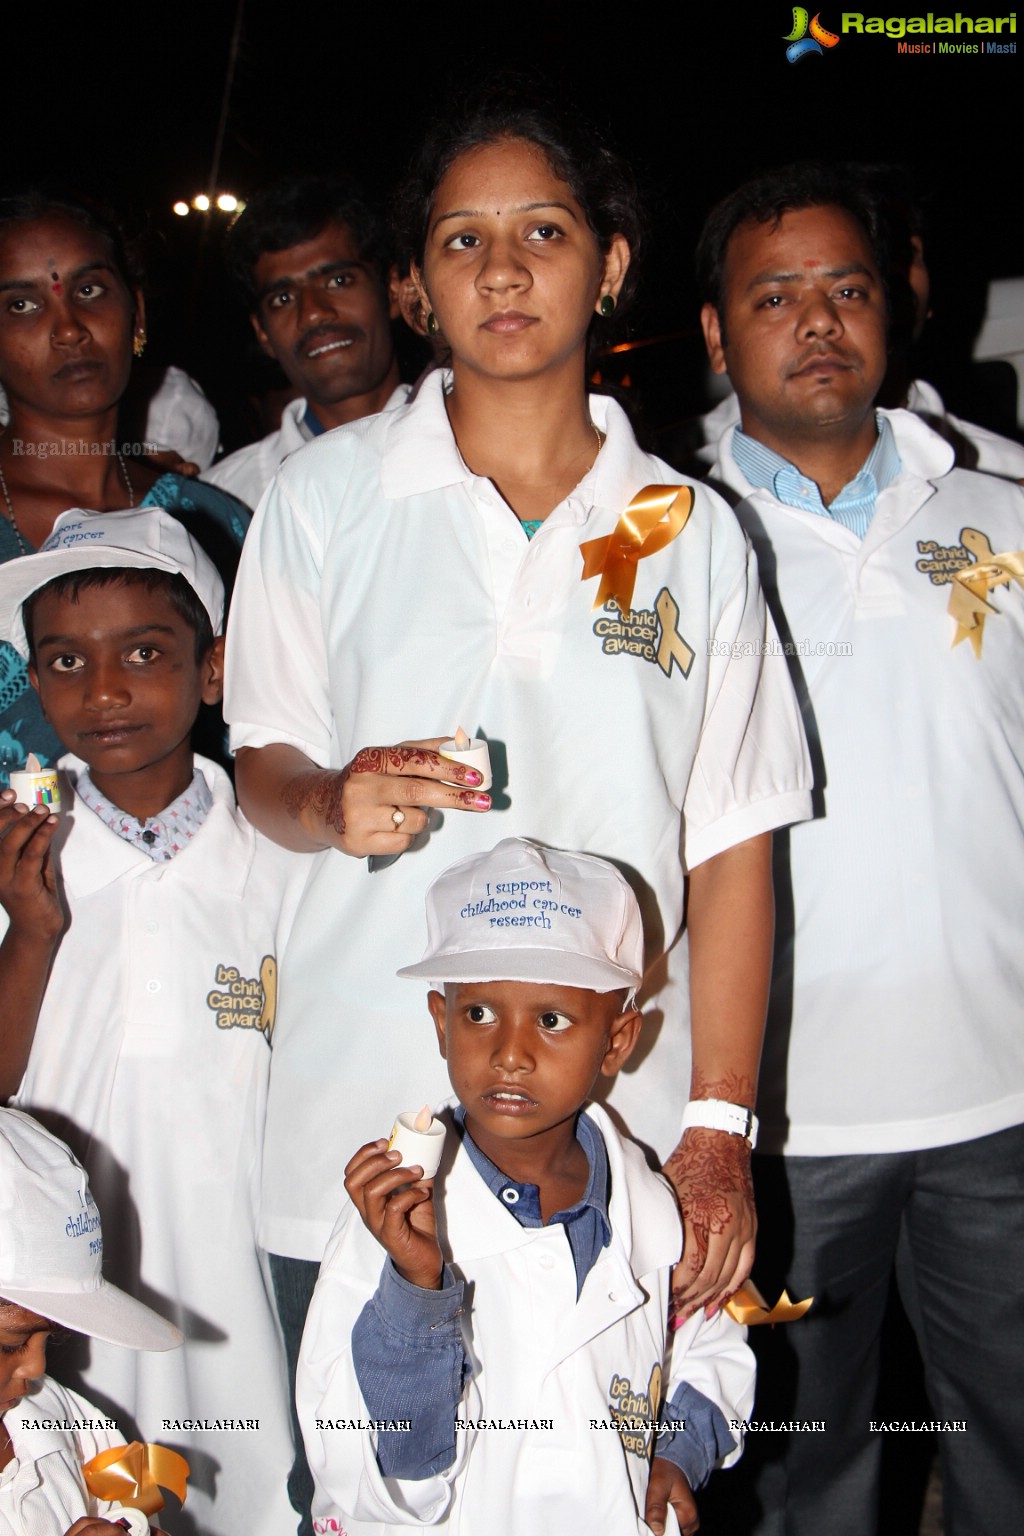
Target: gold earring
[[139, 343]]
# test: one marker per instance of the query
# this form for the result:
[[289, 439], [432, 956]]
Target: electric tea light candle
[[36, 785], [470, 753], [420, 1140]]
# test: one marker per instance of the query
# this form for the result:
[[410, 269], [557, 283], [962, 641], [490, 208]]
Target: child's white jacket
[[537, 1354], [54, 1433]]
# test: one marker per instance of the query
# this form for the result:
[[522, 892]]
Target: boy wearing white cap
[[51, 1246], [510, 1366], [140, 982]]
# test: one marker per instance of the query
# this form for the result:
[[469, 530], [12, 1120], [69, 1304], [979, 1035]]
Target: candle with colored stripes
[[36, 785]]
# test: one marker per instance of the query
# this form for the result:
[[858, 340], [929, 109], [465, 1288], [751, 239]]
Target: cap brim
[[561, 968], [106, 1313]]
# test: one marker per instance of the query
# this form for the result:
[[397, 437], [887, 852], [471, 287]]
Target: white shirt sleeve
[[42, 1491], [276, 676], [752, 771], [712, 1355], [342, 1458]]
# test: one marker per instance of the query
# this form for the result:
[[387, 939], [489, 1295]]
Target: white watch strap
[[720, 1115]]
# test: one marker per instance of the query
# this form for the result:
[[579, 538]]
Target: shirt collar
[[586, 1223], [161, 836], [855, 505], [420, 454], [311, 425]]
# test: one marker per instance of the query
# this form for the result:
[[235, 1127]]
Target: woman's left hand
[[710, 1171]]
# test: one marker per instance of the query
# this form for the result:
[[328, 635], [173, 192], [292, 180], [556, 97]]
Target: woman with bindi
[[72, 316], [470, 558]]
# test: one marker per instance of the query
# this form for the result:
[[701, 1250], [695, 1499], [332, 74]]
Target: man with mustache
[[312, 264], [892, 1093]]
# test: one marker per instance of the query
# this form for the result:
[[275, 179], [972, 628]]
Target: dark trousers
[[293, 1281], [950, 1221]]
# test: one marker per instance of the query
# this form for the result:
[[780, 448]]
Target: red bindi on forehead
[[812, 263]]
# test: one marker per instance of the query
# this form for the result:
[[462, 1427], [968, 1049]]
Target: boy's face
[[523, 1056], [23, 1336], [117, 677]]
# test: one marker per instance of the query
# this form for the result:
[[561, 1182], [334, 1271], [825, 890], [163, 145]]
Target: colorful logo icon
[[799, 43]]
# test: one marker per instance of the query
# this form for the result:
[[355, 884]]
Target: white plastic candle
[[420, 1140], [35, 785], [470, 753], [133, 1520]]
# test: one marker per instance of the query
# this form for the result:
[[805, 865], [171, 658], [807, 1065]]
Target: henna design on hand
[[322, 792], [380, 759], [319, 792], [706, 1169]]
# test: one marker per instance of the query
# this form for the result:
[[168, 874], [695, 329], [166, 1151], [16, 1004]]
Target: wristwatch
[[720, 1115]]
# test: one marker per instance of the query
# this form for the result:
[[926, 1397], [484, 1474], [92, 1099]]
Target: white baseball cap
[[180, 418], [145, 538], [523, 912], [51, 1243]]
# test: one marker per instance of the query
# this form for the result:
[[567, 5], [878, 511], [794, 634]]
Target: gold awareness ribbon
[[970, 587], [129, 1474], [653, 519], [748, 1306]]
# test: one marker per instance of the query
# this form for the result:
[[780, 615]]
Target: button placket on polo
[[149, 958]]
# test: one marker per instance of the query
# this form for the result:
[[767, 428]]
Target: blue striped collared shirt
[[854, 507]]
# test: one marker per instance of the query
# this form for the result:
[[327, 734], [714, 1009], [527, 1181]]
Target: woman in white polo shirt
[[439, 565]]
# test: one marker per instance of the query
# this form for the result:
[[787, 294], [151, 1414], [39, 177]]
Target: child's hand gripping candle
[[420, 1140], [134, 1522], [470, 753], [36, 785]]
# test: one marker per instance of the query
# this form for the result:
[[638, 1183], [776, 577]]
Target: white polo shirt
[[895, 1021], [247, 472], [151, 1059], [387, 593]]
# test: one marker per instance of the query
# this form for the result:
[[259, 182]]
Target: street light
[[221, 202]]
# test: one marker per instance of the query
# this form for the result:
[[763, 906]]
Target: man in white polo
[[892, 1091], [312, 263]]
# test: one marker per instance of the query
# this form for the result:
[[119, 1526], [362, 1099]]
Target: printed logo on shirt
[[241, 1002], [650, 633], [973, 570], [941, 562], [635, 1412]]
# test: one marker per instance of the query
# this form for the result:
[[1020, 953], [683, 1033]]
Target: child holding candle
[[51, 1248], [139, 979], [545, 1233]]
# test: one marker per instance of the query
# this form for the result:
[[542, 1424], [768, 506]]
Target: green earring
[[431, 323], [607, 306]]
